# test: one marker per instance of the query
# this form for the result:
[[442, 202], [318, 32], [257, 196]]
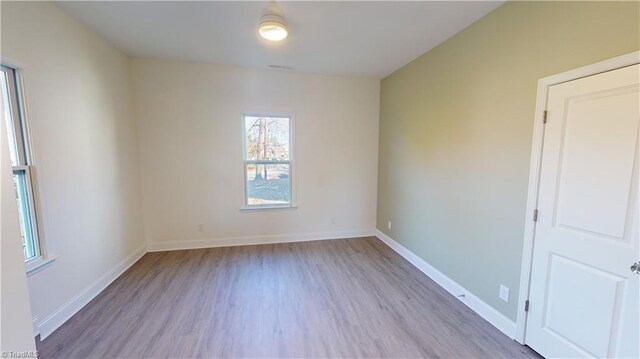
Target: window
[[20, 160], [267, 161]]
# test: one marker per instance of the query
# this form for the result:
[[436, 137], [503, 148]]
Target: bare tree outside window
[[267, 160]]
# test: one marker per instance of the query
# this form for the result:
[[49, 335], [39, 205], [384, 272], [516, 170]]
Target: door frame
[[536, 162]]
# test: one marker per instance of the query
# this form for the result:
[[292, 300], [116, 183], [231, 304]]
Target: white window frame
[[292, 177], [25, 159]]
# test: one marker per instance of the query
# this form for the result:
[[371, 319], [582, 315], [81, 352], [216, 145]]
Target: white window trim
[[35, 265], [292, 175], [44, 257]]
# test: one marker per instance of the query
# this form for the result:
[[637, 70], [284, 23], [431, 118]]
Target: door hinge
[[526, 305], [535, 215], [544, 116]]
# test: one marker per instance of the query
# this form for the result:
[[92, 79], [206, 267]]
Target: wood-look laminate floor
[[336, 298]]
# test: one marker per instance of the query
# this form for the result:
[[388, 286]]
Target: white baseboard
[[49, 324], [71, 307], [36, 329], [244, 241], [497, 319]]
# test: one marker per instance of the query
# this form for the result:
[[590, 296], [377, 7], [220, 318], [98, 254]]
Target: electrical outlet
[[389, 225], [333, 220], [504, 293], [200, 228]]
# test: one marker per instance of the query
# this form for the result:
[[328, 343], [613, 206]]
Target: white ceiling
[[343, 38]]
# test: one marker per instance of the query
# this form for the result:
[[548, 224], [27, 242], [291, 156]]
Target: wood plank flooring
[[336, 298]]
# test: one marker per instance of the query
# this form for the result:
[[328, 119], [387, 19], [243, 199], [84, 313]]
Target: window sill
[[268, 208], [37, 264]]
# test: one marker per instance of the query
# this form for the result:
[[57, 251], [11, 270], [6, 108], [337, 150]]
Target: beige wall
[[456, 127], [84, 146], [189, 118], [16, 331]]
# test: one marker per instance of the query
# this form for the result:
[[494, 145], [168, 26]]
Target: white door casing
[[584, 300]]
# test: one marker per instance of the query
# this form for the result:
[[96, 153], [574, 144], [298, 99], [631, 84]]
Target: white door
[[584, 298]]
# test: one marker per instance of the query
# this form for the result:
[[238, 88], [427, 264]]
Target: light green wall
[[455, 134]]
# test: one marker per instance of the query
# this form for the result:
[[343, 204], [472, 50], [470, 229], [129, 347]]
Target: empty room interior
[[320, 179]]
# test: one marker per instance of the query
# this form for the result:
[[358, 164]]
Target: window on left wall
[[12, 114]]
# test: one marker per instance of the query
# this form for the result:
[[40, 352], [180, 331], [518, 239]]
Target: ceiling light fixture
[[272, 25]]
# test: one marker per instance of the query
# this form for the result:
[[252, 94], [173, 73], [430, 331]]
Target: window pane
[[268, 184], [267, 138], [7, 115], [24, 212]]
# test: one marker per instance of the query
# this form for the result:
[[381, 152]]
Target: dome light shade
[[273, 27]]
